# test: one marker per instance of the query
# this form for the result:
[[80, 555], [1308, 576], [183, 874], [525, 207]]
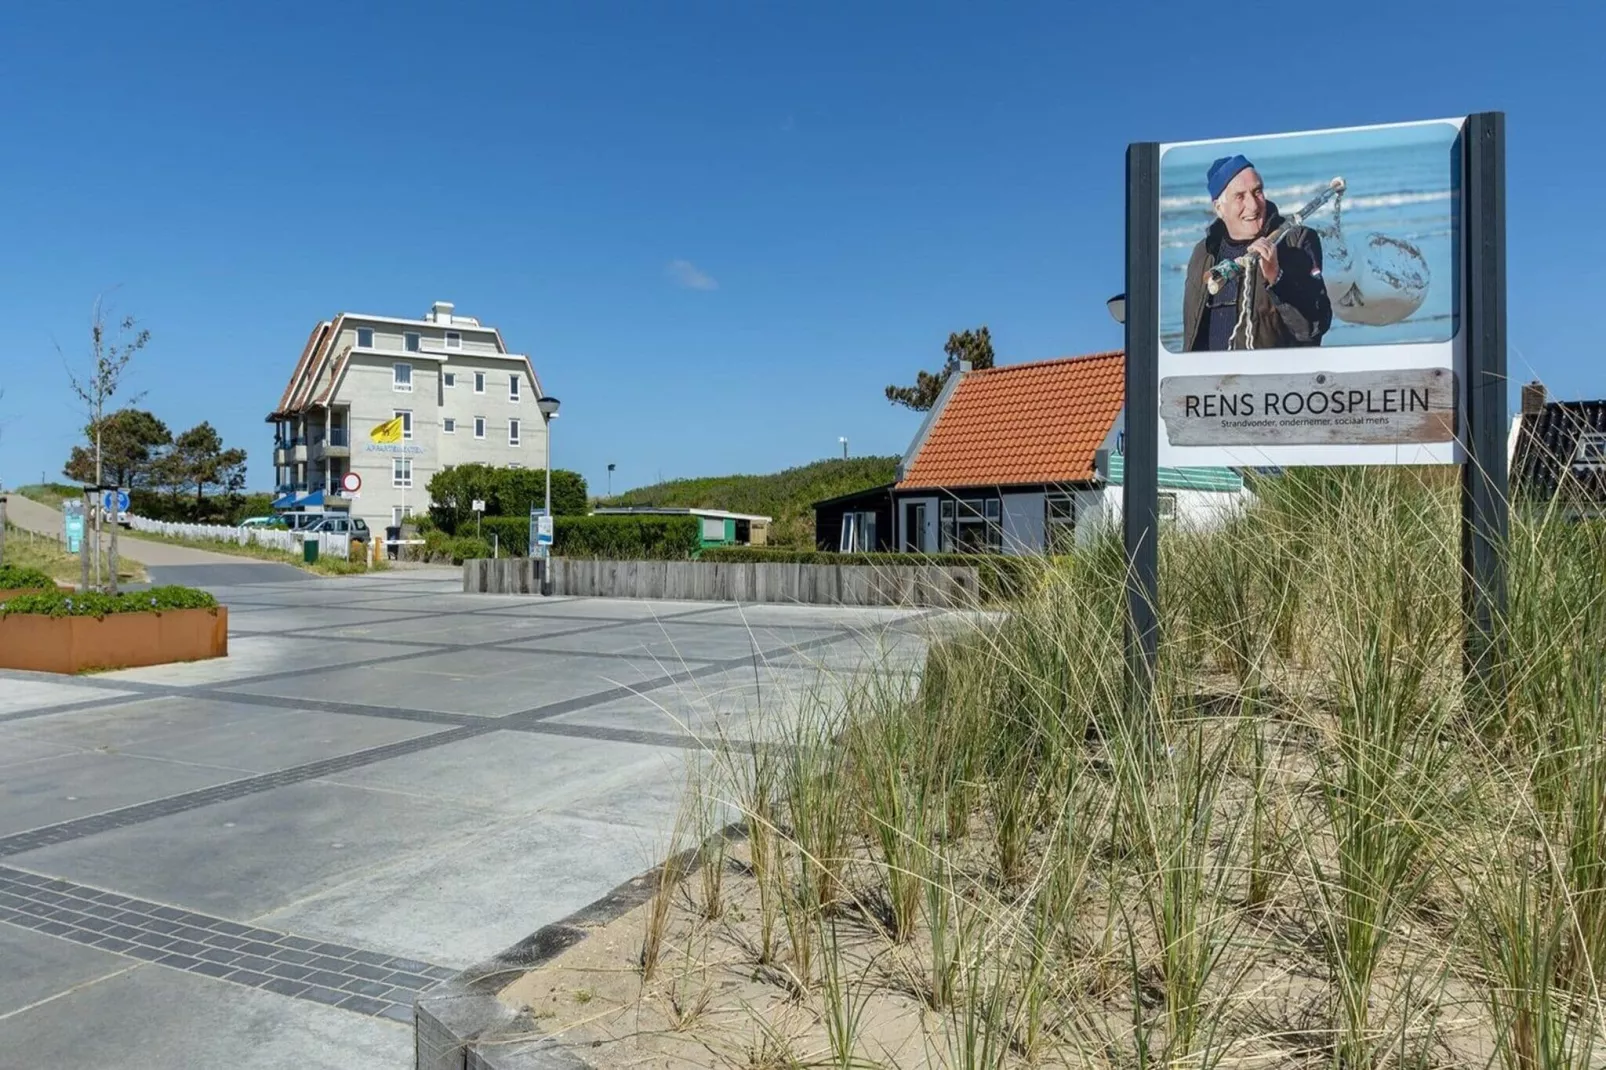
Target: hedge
[[999, 575], [17, 578], [618, 538], [95, 604]]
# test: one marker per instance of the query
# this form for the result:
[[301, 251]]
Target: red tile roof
[[1023, 423]]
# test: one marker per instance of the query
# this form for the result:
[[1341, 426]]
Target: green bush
[[1001, 576], [467, 547], [94, 604], [15, 578], [506, 492], [619, 538]]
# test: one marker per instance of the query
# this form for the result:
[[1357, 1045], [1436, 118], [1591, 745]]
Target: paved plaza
[[258, 861]]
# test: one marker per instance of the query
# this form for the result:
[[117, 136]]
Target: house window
[[512, 432], [410, 341], [858, 532], [396, 514], [479, 427], [479, 382], [972, 525], [513, 388], [407, 421], [1168, 506], [402, 378], [1591, 450], [401, 471], [448, 379], [454, 340], [448, 425], [1059, 523], [365, 338]]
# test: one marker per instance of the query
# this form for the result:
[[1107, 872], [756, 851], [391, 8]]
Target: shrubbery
[[15, 578], [632, 538], [95, 604], [506, 492]]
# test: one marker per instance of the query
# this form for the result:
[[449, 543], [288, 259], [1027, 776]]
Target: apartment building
[[458, 394]]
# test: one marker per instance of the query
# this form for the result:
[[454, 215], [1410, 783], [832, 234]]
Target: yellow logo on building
[[389, 431]]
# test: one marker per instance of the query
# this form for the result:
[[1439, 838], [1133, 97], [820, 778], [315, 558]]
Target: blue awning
[[286, 502], [315, 498]]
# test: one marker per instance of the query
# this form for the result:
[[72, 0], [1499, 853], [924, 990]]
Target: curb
[[460, 1024]]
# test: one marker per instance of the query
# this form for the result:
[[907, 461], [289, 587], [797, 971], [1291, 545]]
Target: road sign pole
[[1485, 510], [1140, 481], [111, 557]]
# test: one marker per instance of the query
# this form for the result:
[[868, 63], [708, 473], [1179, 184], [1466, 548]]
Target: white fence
[[329, 544]]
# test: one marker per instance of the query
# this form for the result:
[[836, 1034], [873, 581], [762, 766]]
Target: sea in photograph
[[1387, 242]]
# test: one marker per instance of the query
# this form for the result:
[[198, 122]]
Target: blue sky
[[720, 229]]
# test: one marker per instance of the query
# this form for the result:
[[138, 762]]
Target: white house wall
[[1197, 509]]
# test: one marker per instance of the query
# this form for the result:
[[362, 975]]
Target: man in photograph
[[1286, 298]]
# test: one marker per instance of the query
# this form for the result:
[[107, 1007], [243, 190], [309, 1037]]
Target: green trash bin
[[309, 551]]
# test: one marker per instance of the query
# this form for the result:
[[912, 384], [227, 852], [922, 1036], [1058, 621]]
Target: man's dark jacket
[[1294, 312]]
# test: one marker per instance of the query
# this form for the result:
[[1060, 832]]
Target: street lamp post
[[549, 412], [844, 440], [611, 467]]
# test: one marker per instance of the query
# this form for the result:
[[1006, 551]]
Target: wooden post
[[83, 545], [112, 553], [1140, 490], [2, 529]]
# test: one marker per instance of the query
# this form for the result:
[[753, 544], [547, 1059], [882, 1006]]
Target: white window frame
[[395, 381], [479, 427], [368, 344], [479, 382], [407, 422], [1059, 515], [1589, 452], [514, 395], [1167, 505], [513, 430], [396, 514], [412, 341], [448, 425], [454, 340], [448, 380], [401, 472]]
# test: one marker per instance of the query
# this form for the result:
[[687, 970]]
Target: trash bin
[[392, 537], [309, 550]]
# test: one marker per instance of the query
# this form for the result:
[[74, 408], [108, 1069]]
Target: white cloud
[[689, 276]]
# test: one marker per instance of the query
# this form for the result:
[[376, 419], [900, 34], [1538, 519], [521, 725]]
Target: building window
[[401, 471], [1168, 506], [454, 340], [479, 382], [512, 432], [513, 388], [410, 341], [365, 338], [971, 525], [448, 379], [1590, 452], [406, 419], [479, 427], [1059, 523], [402, 378], [858, 532], [515, 466], [448, 425]]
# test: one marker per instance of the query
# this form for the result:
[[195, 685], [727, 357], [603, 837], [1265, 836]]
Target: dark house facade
[[861, 522], [1559, 454]]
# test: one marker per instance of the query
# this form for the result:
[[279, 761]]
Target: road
[[165, 562], [256, 862]]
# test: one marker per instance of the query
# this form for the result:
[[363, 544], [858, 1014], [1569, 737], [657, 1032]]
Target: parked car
[[263, 522], [355, 526]]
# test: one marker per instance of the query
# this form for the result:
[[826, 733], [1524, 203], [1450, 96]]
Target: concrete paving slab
[[255, 655], [601, 608], [39, 967], [671, 643], [241, 858], [273, 621], [770, 613], [154, 1018], [18, 694], [16, 749], [431, 629], [50, 790], [515, 772], [460, 905], [232, 573]]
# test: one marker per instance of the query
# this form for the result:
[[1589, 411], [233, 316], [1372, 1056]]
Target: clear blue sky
[[851, 181]]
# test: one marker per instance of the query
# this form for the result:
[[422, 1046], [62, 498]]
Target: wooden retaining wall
[[721, 581]]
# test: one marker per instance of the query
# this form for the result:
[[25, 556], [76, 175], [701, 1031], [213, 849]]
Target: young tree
[[111, 349], [973, 346], [131, 440], [201, 462]]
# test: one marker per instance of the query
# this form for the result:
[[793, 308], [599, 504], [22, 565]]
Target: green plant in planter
[[95, 604], [16, 578]]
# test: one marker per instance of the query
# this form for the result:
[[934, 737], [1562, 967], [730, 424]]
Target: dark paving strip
[[139, 813], [673, 740], [337, 975]]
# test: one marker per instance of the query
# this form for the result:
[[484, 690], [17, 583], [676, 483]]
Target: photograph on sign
[[1310, 297]]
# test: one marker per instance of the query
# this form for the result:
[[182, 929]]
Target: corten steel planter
[[116, 641]]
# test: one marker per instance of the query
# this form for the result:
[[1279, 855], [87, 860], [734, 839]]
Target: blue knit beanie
[[1224, 171]]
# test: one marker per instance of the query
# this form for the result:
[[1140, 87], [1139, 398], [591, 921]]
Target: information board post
[[1485, 519], [1140, 487]]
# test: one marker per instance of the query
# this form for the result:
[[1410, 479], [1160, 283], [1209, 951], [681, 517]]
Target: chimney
[[440, 312], [1533, 398]]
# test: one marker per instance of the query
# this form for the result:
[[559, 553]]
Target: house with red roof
[[1019, 458]]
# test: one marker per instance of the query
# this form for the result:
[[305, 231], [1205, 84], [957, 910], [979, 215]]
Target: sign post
[[1271, 337]]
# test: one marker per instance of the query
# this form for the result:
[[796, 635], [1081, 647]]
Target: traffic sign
[[117, 497], [351, 482], [479, 505]]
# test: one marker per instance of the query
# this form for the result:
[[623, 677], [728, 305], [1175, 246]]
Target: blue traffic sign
[[121, 498]]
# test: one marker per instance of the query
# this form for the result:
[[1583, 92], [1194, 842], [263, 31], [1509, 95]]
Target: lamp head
[[548, 406]]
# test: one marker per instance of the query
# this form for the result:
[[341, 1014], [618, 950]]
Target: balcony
[[336, 444], [287, 451]]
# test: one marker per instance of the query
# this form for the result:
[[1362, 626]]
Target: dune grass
[[27, 549], [1306, 849]]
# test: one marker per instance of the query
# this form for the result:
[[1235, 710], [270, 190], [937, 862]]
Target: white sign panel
[[1317, 272], [543, 530], [478, 506]]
